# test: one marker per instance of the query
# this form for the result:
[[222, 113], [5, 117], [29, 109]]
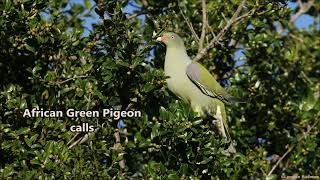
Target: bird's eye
[[172, 37]]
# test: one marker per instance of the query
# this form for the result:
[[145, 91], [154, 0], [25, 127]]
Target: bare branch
[[145, 3], [64, 81], [249, 13], [118, 147], [306, 78], [73, 138], [219, 36], [86, 137], [303, 8], [280, 159], [83, 139], [211, 31], [132, 16], [291, 147], [204, 25], [194, 34], [297, 38], [75, 143]]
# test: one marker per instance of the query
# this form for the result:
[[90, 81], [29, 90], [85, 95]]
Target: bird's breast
[[179, 83]]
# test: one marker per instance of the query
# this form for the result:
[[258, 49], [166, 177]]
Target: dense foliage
[[46, 61]]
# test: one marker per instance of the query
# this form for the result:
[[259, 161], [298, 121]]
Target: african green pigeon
[[194, 84]]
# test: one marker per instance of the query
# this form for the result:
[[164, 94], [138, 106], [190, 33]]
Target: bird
[[194, 84]]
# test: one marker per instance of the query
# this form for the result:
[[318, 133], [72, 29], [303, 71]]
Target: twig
[[75, 143], [306, 78], [249, 13], [64, 81], [92, 8], [304, 7], [215, 40], [204, 25], [291, 148], [83, 139], [86, 137], [117, 147], [190, 26], [211, 31], [280, 159], [145, 3], [134, 5], [132, 16], [73, 138], [297, 38]]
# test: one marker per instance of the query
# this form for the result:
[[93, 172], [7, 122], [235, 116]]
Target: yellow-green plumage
[[192, 82]]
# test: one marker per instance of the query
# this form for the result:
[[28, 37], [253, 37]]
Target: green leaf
[[76, 43], [23, 104], [197, 122], [87, 4], [24, 130], [183, 169], [155, 131], [36, 69], [29, 48], [7, 5], [65, 90], [7, 171]]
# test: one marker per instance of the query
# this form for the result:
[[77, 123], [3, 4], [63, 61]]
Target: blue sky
[[304, 21]]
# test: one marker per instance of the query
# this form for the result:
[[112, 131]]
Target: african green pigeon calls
[[194, 84]]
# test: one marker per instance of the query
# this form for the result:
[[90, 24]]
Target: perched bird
[[194, 84]]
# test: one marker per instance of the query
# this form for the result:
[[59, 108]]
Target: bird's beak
[[159, 39], [162, 39]]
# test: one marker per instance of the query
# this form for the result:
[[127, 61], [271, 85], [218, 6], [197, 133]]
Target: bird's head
[[171, 39]]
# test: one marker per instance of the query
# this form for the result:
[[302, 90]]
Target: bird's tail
[[231, 149], [234, 100], [220, 116], [221, 122]]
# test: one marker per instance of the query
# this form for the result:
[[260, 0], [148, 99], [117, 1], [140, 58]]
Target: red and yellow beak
[[162, 38]]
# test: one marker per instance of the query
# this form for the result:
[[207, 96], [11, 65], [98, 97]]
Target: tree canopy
[[50, 59]]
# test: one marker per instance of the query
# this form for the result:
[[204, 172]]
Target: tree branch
[[82, 139], [291, 148], [304, 7], [219, 36], [132, 16], [204, 25], [73, 138], [190, 26], [64, 81], [145, 3], [118, 147]]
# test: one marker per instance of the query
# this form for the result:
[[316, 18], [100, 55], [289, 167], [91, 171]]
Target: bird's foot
[[231, 149], [215, 122]]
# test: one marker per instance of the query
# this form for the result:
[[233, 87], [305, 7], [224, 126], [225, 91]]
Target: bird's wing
[[202, 78]]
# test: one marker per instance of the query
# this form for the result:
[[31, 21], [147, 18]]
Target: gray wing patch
[[193, 74]]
